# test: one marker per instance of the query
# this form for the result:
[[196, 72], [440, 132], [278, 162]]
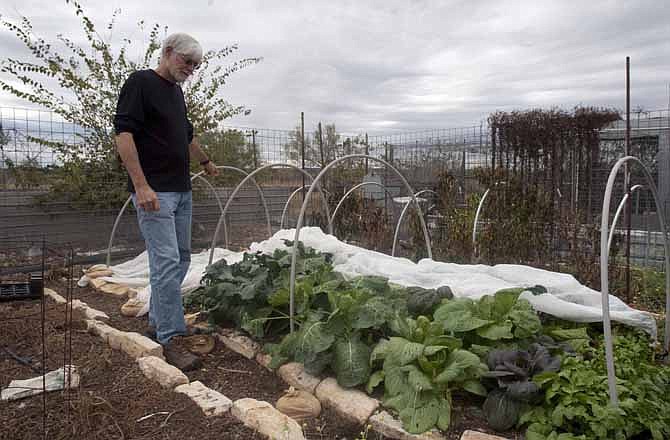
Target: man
[[155, 141]]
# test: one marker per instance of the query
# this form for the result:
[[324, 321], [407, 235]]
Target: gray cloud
[[384, 66]]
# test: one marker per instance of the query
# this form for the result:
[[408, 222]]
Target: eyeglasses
[[189, 62]]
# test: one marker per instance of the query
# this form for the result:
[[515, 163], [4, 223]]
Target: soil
[[114, 400], [223, 370], [236, 377]]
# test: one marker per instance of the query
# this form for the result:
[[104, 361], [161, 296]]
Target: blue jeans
[[167, 235]]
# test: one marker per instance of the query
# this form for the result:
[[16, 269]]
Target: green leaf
[[417, 379], [457, 316], [544, 378], [480, 350], [254, 324], [316, 363], [474, 387], [430, 350], [374, 313], [312, 339], [422, 301], [380, 351], [402, 326], [399, 401], [375, 379], [444, 419], [328, 286], [352, 362], [403, 351], [538, 431], [496, 331], [457, 362], [375, 284], [567, 334], [451, 342], [525, 320], [421, 414], [395, 379], [280, 297]]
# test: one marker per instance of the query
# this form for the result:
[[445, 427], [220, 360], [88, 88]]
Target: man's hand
[[211, 169], [147, 198]]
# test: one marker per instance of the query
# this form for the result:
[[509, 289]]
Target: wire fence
[[37, 199]]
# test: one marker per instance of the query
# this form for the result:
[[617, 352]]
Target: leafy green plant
[[514, 371], [420, 369], [253, 294], [576, 400], [422, 301], [339, 335], [500, 317]]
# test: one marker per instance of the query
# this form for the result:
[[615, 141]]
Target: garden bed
[[436, 361], [237, 377]]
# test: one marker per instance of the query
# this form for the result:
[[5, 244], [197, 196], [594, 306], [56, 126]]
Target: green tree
[[228, 147], [321, 147], [82, 86]]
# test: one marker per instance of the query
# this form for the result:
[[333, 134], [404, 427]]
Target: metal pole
[[629, 205], [323, 161], [302, 150], [253, 145], [386, 158], [367, 152]]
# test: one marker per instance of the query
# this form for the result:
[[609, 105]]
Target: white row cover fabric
[[566, 298]]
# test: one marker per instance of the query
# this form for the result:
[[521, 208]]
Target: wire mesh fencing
[[44, 192]]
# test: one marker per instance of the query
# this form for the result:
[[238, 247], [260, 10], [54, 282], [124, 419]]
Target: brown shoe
[[199, 345], [178, 356]]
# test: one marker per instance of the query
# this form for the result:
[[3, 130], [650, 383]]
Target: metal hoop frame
[[293, 194], [294, 257], [619, 210], [251, 176], [193, 177], [354, 188], [402, 216], [604, 275]]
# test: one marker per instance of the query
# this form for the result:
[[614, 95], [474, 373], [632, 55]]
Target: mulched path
[[113, 395]]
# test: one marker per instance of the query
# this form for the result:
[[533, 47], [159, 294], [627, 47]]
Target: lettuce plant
[[420, 368], [492, 318]]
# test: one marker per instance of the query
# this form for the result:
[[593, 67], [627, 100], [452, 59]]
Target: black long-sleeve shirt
[[153, 110]]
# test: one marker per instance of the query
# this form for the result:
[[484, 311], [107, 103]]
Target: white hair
[[183, 44]]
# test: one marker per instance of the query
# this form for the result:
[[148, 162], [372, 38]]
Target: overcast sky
[[389, 66]]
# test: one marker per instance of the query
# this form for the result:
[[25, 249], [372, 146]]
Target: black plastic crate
[[13, 290]]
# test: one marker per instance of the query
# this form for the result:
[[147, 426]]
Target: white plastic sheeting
[[566, 298], [135, 273]]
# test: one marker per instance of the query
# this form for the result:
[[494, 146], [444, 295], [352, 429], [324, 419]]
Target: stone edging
[[351, 404], [261, 416]]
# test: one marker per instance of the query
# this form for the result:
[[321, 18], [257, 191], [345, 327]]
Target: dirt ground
[[114, 400]]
